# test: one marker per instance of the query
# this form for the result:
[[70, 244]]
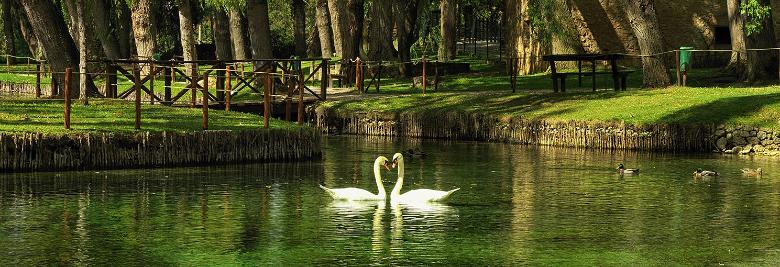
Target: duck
[[622, 170], [702, 173], [752, 172]]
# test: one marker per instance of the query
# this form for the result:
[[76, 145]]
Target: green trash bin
[[685, 57]]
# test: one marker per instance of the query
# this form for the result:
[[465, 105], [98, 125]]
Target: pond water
[[517, 205]]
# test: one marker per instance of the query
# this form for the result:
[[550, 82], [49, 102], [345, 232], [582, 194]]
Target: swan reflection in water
[[419, 228]]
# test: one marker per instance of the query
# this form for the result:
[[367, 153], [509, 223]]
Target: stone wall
[[746, 140], [47, 152]]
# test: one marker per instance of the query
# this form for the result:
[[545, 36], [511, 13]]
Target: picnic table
[[559, 78]]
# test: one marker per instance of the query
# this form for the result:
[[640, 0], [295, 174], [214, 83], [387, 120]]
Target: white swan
[[418, 195], [357, 194]]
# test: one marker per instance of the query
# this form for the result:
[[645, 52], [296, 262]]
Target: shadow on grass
[[723, 110]]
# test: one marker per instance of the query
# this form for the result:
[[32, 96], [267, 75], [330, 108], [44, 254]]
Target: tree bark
[[48, 24], [29, 35], [749, 66], [314, 47], [299, 25], [237, 33], [448, 48], [144, 29], [8, 30], [324, 29], [522, 41], [222, 35], [104, 28], [406, 13], [380, 30], [187, 34], [81, 27], [259, 29], [124, 29], [347, 21], [641, 14]]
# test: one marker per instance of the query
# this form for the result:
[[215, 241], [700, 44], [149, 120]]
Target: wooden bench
[[559, 78]]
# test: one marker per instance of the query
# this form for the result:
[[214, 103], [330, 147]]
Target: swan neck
[[400, 182], [378, 177]]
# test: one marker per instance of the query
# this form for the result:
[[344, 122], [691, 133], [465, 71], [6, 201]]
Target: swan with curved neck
[[357, 194], [418, 195]]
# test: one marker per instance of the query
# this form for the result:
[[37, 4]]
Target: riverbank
[[32, 137], [675, 119]]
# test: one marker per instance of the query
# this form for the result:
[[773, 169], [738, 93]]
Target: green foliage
[[755, 13]]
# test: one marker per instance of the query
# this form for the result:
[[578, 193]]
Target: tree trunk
[[48, 24], [522, 41], [641, 14], [8, 30], [124, 29], [222, 35], [749, 66], [237, 33], [81, 27], [259, 29], [347, 18], [299, 19], [567, 41], [29, 35], [324, 29], [187, 34], [448, 48], [406, 13], [104, 28], [380, 30], [144, 29], [314, 48]]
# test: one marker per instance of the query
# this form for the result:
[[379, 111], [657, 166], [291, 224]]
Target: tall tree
[[237, 33], [29, 36], [81, 28], [380, 30], [105, 30], [324, 29], [259, 29], [641, 14], [299, 25], [49, 26], [187, 33], [406, 14], [750, 27], [124, 29], [222, 35], [523, 42], [144, 29], [8, 30], [347, 21], [448, 48]]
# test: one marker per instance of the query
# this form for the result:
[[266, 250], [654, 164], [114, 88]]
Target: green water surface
[[517, 205]]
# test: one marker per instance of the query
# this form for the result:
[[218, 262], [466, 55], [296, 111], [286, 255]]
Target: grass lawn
[[758, 106], [30, 115]]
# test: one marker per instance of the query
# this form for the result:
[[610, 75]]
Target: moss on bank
[[759, 107], [46, 116]]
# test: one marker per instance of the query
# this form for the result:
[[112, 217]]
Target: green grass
[[30, 115], [744, 106]]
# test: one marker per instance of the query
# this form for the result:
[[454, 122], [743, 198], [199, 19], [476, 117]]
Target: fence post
[[358, 79], [325, 78], [53, 82], [301, 88], [168, 82], [205, 101], [220, 85], [424, 76], [228, 88], [677, 65], [288, 99], [267, 99], [778, 62], [436, 76], [193, 84], [66, 94], [153, 69], [37, 81], [137, 85], [379, 76]]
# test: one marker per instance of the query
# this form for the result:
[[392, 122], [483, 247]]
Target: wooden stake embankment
[[66, 94], [48, 152]]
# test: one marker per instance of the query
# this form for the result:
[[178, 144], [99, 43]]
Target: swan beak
[[395, 164], [386, 167]]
